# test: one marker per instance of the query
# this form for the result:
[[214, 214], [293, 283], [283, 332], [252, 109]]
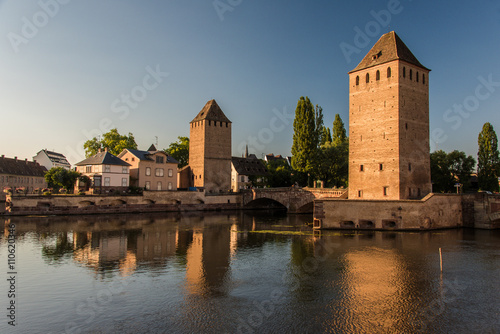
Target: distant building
[[389, 155], [106, 172], [151, 169], [271, 157], [16, 174], [242, 168], [50, 159], [209, 151]]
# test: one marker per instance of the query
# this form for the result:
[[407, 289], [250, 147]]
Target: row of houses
[[152, 170]]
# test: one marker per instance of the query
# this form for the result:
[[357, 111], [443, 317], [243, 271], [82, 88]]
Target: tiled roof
[[21, 167], [388, 48], [248, 166], [57, 157], [103, 158], [211, 111], [146, 155]]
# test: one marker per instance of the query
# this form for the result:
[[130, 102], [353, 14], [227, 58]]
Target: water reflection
[[217, 272]]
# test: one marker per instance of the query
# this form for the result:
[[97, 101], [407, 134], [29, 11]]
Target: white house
[[50, 160], [106, 172]]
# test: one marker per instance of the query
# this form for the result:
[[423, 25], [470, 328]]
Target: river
[[242, 272]]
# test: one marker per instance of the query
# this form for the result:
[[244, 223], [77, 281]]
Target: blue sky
[[70, 69]]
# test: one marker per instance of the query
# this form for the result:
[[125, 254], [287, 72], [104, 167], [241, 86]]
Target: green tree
[[326, 137], [447, 169], [112, 140], [319, 127], [59, 177], [332, 164], [461, 168], [179, 150], [305, 139], [338, 131], [488, 161]]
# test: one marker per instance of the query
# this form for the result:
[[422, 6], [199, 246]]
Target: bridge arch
[[265, 203]]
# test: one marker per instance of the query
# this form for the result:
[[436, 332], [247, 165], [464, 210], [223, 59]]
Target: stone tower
[[210, 149], [389, 155]]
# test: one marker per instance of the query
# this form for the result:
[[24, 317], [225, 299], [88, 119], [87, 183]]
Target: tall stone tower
[[210, 149], [389, 154]]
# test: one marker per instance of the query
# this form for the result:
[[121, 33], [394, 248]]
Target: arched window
[[367, 78], [404, 72], [411, 74], [357, 80], [416, 77], [423, 78], [377, 75], [388, 72]]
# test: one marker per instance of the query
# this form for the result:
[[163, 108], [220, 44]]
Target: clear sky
[[70, 69]]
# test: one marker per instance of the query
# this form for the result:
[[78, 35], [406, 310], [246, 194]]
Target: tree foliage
[[447, 169], [59, 177], [305, 138], [339, 134], [112, 140], [488, 161], [332, 165], [179, 150]]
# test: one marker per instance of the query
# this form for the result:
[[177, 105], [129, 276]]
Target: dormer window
[[376, 56]]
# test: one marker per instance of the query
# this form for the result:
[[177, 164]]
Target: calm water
[[248, 273]]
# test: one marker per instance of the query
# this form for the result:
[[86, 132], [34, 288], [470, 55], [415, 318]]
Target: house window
[[386, 191], [409, 167], [367, 78], [158, 186], [388, 72], [416, 78], [159, 171], [404, 72], [357, 80], [377, 75], [242, 178], [148, 171], [124, 181], [107, 168], [411, 74], [148, 185], [97, 181], [159, 160], [360, 193], [170, 186], [170, 172], [361, 168], [88, 169], [107, 181], [133, 159], [380, 167], [124, 170]]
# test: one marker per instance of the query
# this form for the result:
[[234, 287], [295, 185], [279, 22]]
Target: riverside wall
[[157, 201], [435, 211]]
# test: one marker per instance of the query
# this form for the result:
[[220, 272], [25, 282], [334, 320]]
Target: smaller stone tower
[[210, 149]]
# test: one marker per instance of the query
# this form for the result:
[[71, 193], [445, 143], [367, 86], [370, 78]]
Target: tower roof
[[388, 48], [211, 111]]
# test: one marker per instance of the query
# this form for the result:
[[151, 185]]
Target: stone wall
[[150, 201], [432, 212]]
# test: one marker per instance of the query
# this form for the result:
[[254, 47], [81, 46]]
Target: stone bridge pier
[[294, 199]]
